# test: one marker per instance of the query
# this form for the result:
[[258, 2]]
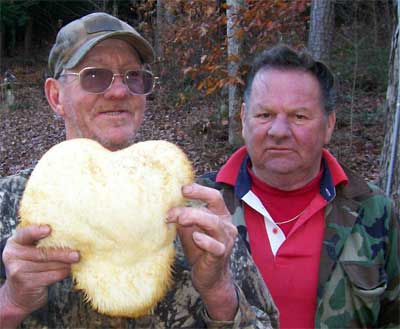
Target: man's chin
[[116, 144]]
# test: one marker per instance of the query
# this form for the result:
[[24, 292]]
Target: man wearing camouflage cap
[[95, 64]]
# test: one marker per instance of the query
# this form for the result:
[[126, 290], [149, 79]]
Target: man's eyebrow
[[302, 108], [258, 105]]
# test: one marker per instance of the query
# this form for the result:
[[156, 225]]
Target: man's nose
[[279, 128], [118, 88]]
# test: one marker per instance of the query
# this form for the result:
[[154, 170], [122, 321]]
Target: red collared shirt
[[288, 261]]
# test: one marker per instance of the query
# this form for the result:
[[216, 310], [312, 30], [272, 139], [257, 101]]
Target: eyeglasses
[[98, 80]]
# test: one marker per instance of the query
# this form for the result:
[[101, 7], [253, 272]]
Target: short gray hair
[[282, 57]]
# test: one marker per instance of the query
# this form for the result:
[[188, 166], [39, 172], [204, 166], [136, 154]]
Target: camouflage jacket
[[181, 307], [359, 275]]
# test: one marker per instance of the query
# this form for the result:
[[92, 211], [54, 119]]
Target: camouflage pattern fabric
[[359, 276], [181, 308]]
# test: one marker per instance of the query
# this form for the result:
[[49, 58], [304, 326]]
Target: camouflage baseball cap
[[76, 38]]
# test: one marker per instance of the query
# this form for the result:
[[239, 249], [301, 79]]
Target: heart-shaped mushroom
[[111, 206]]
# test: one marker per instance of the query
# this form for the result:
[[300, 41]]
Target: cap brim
[[143, 48]]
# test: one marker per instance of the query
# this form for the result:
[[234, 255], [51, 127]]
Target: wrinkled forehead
[[300, 79], [288, 88]]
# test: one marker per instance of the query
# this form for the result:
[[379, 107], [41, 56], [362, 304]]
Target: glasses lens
[[96, 80], [139, 82]]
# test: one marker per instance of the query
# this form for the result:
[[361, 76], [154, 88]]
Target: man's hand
[[208, 236], [29, 271]]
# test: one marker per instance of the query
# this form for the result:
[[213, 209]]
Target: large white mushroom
[[111, 206]]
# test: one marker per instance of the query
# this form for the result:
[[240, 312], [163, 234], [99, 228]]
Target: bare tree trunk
[[388, 17], [12, 38], [28, 38], [234, 51], [321, 29], [115, 8], [13, 42], [159, 30], [355, 73], [375, 19], [221, 31], [2, 34], [390, 157], [169, 16]]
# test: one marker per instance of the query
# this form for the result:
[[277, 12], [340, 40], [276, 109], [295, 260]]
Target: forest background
[[204, 49]]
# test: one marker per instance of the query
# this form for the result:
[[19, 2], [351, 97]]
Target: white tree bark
[[321, 29], [2, 35], [234, 50], [28, 38], [159, 30], [115, 8], [390, 164]]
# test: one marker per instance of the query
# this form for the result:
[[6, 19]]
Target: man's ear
[[330, 126], [52, 89]]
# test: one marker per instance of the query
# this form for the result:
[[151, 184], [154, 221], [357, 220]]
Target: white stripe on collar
[[275, 239]]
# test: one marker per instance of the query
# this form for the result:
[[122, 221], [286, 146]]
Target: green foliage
[[360, 54], [369, 116], [16, 13], [46, 14], [367, 64], [12, 13], [14, 107]]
